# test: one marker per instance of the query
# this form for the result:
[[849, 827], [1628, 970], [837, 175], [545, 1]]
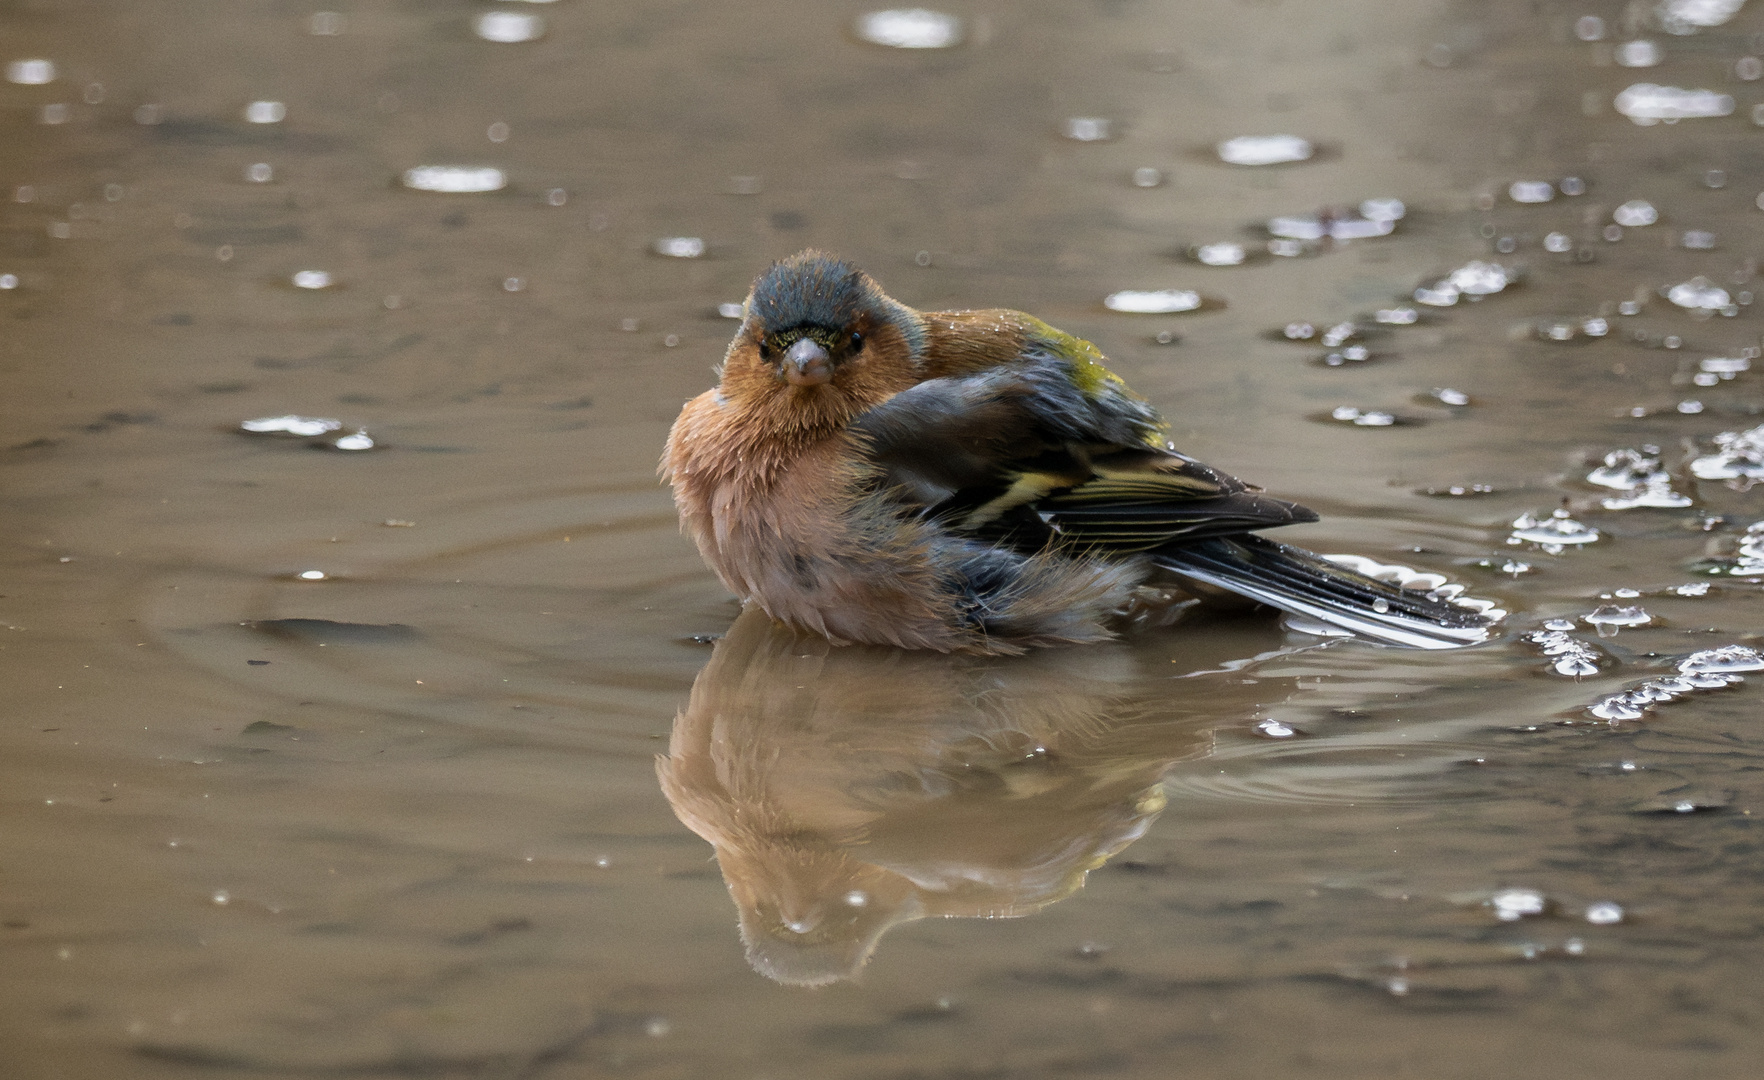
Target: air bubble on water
[[8, 281], [325, 24], [1531, 191], [1689, 16], [1726, 366], [1445, 395], [923, 258], [1626, 469], [1166, 337], [1699, 293], [1440, 294], [1725, 660], [1690, 407], [1748, 68], [54, 114], [1349, 414], [1595, 327], [1264, 150], [1147, 177], [1224, 253], [1647, 103], [680, 247], [1506, 245], [33, 72], [1511, 905], [1635, 213], [1638, 54], [498, 132], [508, 27], [1274, 729], [1698, 240], [556, 197], [857, 898], [1350, 228], [1653, 493], [360, 440], [1383, 209], [312, 279], [1604, 913], [1691, 588], [1087, 128], [1715, 179], [1299, 331], [731, 311], [1515, 567], [1558, 242], [1572, 185], [305, 427], [1478, 278], [1400, 316], [1148, 302], [513, 284], [457, 179], [1589, 28], [910, 28], [266, 112], [1553, 533], [1629, 307], [220, 898], [1568, 656], [1298, 227], [656, 1028], [148, 115], [1610, 618], [1289, 249]]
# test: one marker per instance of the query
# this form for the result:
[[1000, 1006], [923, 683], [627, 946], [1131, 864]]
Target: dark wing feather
[[1021, 454]]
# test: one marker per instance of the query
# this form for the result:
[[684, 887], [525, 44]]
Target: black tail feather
[[1307, 584]]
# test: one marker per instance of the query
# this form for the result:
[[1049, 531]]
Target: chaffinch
[[974, 481]]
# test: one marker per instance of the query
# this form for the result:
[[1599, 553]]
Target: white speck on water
[[1647, 103], [1569, 656], [1298, 227], [1725, 367], [1595, 327], [220, 898], [361, 440], [1638, 54], [1689, 16], [656, 1028], [731, 311], [1445, 395], [1531, 191], [302, 426], [325, 24], [508, 27], [1402, 316], [1604, 913], [1147, 177], [1553, 533], [1748, 69], [1698, 240], [1152, 302], [34, 72], [910, 28], [1349, 414], [312, 279], [498, 132], [1360, 228], [1264, 150], [460, 179], [1635, 213], [1572, 185], [8, 281], [266, 112], [1274, 729], [1087, 128], [1699, 293], [556, 197], [1690, 407], [1715, 179], [1383, 209], [1558, 242], [1511, 905], [513, 284], [311, 575], [1224, 253], [1589, 28], [680, 247], [1610, 618], [54, 114], [260, 173]]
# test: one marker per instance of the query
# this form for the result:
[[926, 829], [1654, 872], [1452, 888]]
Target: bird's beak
[[806, 363]]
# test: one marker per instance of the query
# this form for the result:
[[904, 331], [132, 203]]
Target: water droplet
[[1403, 316], [266, 112], [220, 898], [148, 115], [1748, 68], [302, 426], [8, 281], [1531, 191], [910, 28], [361, 440], [1638, 54], [508, 27], [1147, 177], [557, 197], [1614, 617], [312, 279], [730, 311], [1699, 293], [461, 179], [1223, 253], [1274, 729], [1264, 150], [1604, 913], [1510, 905], [1160, 302], [1589, 28], [1698, 240], [1383, 209], [33, 72], [1381, 606], [1647, 104], [656, 1028], [857, 898], [54, 114], [513, 284], [1572, 185], [498, 132], [1558, 242], [311, 575], [680, 247], [1087, 128], [325, 24]]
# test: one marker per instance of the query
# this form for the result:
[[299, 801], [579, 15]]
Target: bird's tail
[[1310, 585]]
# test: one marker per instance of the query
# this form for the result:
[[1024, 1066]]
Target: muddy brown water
[[406, 820]]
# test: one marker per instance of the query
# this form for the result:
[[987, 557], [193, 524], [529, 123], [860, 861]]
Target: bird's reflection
[[847, 790]]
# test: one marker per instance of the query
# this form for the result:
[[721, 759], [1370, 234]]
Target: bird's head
[[820, 336]]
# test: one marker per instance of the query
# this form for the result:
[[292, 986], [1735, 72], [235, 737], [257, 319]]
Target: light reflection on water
[[423, 780]]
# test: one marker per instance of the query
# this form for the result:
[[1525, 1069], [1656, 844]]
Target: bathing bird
[[978, 482]]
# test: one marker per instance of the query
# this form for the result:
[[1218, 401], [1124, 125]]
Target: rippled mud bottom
[[403, 761]]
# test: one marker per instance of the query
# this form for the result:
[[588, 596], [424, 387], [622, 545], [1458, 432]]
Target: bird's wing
[[1047, 448]]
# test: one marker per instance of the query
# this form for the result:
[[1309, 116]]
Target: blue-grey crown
[[811, 289]]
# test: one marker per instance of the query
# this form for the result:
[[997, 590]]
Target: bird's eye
[[765, 351], [857, 341]]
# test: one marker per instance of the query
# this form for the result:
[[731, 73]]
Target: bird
[[977, 481]]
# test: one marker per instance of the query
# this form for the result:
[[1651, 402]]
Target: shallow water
[[404, 818]]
